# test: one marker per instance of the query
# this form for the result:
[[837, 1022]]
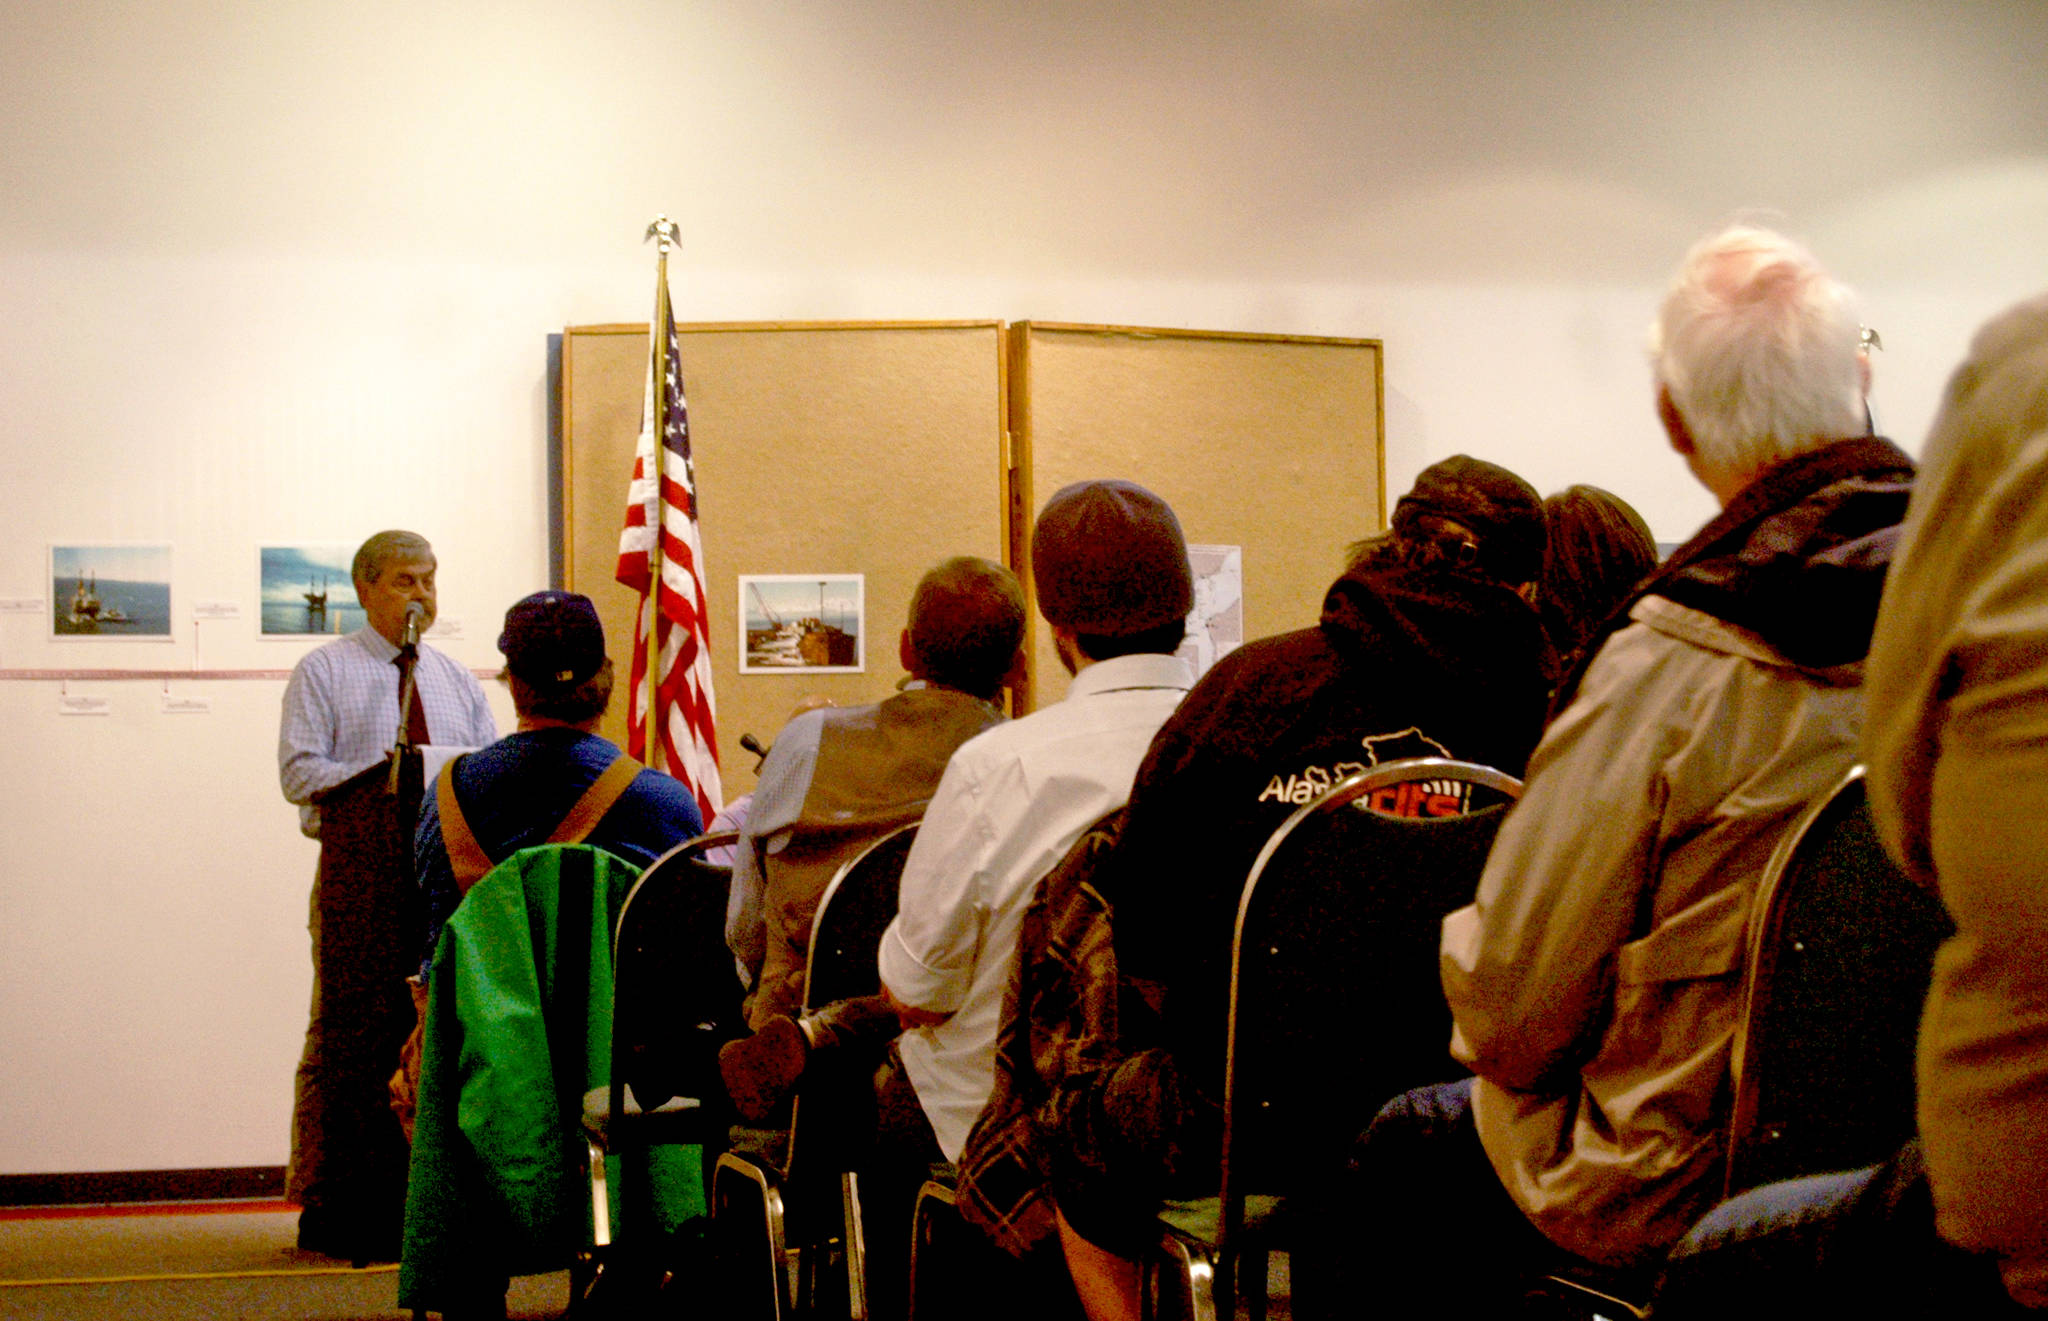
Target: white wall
[[286, 271]]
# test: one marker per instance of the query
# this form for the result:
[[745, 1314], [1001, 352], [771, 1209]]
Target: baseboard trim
[[242, 1183]]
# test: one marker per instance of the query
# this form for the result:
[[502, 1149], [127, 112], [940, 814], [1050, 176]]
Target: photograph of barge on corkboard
[[802, 623]]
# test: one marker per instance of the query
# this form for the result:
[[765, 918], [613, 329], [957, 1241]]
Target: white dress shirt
[[1011, 803], [341, 714]]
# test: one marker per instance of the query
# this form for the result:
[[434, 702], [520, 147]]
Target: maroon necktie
[[415, 714]]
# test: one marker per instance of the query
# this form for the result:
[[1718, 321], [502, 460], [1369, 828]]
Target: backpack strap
[[466, 857], [596, 801]]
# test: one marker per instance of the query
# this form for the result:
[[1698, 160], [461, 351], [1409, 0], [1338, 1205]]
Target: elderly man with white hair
[[1956, 1223], [1594, 983]]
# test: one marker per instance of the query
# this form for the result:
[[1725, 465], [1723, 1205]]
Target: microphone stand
[[408, 658]]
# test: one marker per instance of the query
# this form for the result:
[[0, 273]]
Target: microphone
[[415, 613]]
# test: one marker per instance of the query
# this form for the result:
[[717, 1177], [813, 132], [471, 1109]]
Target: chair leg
[[600, 1198], [856, 1247], [1193, 1272], [932, 1201], [583, 1273], [1590, 1301], [729, 1178], [1253, 1268]]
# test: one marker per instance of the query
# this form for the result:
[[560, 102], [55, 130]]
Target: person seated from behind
[[1958, 697], [1427, 647], [839, 778], [520, 790], [554, 779], [1595, 983], [1111, 570], [1596, 553]]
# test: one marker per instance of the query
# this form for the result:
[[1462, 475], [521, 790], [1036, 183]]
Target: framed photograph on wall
[[803, 623], [114, 591], [304, 589]]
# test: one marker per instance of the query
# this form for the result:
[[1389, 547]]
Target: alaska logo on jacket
[[1422, 798]]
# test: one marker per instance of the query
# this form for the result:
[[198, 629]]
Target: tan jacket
[[1958, 752], [1595, 983]]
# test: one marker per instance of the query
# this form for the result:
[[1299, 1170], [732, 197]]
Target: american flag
[[675, 615]]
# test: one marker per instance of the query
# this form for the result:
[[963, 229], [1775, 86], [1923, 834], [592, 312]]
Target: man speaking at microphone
[[341, 722]]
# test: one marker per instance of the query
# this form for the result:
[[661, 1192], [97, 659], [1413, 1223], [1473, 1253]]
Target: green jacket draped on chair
[[519, 1025]]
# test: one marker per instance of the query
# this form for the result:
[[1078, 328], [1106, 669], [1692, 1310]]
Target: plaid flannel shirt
[[1059, 1028]]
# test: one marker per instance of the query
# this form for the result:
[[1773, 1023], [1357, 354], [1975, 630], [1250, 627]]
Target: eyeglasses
[[1867, 338]]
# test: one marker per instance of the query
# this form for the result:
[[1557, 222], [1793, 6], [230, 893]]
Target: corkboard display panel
[[820, 448], [1272, 443]]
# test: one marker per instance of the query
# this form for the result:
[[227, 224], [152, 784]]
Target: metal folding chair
[[1841, 953], [537, 938], [1334, 999], [797, 1233], [675, 998]]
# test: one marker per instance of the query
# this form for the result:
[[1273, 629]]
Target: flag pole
[[666, 238]]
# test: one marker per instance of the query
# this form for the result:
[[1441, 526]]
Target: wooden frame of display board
[[833, 448], [881, 447], [1272, 443]]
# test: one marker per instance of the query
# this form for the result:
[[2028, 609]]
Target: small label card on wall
[[446, 627], [216, 609], [67, 705], [187, 706], [21, 605]]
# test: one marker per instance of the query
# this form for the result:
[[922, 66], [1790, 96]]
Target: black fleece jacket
[[1405, 663]]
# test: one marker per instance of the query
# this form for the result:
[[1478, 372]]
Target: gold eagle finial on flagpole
[[665, 232]]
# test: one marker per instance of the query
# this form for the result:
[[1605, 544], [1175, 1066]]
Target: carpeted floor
[[205, 1261], [201, 1261]]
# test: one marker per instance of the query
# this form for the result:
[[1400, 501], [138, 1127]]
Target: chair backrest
[[1336, 1004], [675, 991], [855, 909], [846, 936], [1841, 950]]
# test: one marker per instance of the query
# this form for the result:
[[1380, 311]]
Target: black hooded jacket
[[1406, 662]]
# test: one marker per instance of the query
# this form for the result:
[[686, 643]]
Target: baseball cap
[[1503, 511], [1108, 559], [553, 639]]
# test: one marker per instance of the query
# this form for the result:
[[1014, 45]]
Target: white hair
[[1757, 347]]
